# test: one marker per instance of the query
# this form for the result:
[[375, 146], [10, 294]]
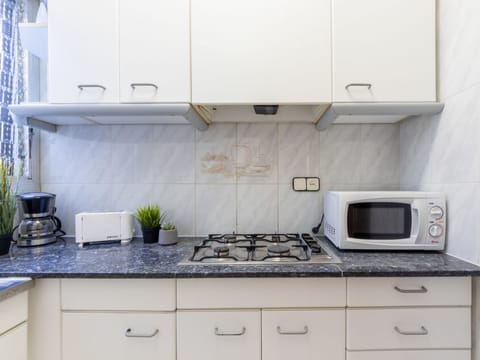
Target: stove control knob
[[436, 212], [435, 230]]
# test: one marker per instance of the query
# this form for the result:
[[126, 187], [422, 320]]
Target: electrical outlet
[[313, 184]]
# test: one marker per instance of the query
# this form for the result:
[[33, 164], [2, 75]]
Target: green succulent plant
[[168, 226], [150, 216], [8, 204]]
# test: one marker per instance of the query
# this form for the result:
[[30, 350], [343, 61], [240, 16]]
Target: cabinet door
[[218, 335], [384, 50], [13, 344], [303, 335], [261, 51], [119, 336], [154, 51], [82, 51]]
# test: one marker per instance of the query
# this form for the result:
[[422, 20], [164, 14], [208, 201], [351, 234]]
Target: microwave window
[[379, 221]]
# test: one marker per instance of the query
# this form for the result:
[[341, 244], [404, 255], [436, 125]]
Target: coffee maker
[[38, 225]]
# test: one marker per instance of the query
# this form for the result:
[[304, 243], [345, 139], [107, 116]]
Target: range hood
[[261, 113], [48, 116], [375, 113]]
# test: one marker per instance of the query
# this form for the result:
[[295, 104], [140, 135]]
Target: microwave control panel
[[436, 226]]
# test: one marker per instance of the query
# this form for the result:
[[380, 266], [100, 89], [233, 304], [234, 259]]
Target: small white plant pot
[[168, 237]]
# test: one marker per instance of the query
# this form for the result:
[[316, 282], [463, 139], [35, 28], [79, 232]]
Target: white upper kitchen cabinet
[[384, 50], [113, 51], [261, 51], [154, 51], [83, 51]]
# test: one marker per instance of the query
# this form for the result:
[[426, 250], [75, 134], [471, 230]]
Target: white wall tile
[[257, 209], [298, 211], [76, 154], [126, 140], [74, 198], [455, 150], [463, 210], [216, 207], [169, 157], [380, 154], [416, 137], [459, 48], [216, 154], [340, 154], [179, 202], [298, 151], [257, 153]]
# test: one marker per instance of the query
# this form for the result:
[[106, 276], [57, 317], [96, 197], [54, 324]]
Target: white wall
[[443, 152], [230, 178]]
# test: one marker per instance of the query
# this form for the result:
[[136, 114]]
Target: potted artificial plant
[[7, 206], [150, 218], [168, 234]]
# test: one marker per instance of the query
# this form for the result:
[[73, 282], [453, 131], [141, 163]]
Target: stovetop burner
[[260, 249]]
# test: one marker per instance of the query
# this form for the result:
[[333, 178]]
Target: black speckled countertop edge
[[15, 285], [138, 260]]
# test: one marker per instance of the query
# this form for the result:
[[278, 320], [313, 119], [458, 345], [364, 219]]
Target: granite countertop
[[138, 260], [12, 286]]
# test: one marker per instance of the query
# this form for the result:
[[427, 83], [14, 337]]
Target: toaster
[[96, 227]]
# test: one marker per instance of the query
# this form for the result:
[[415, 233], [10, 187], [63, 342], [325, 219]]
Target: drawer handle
[[286, 332], [134, 85], [81, 87], [230, 333], [128, 333], [367, 85], [423, 331], [422, 290]]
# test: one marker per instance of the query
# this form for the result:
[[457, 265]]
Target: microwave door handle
[[415, 222]]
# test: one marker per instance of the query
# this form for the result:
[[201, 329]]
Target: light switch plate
[[299, 184]]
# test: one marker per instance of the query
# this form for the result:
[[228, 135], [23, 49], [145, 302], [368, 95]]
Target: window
[[12, 144]]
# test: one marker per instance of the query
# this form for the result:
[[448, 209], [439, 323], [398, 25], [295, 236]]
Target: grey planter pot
[[168, 237]]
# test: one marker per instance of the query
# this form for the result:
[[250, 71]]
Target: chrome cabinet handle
[[423, 331], [230, 333], [367, 85], [285, 332], [128, 333], [81, 87], [422, 290], [134, 85]]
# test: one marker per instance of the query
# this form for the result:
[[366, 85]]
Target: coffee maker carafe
[[38, 225]]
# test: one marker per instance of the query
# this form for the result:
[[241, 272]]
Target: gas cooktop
[[260, 249]]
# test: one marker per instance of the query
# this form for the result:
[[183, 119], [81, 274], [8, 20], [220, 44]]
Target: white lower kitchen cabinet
[[303, 334], [13, 327], [410, 355], [415, 328], [13, 343], [218, 335], [118, 336]]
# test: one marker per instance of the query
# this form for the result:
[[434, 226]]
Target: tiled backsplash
[[442, 153], [229, 178]]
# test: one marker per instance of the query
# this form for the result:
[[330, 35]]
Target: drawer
[[104, 336], [416, 328], [13, 311], [118, 294], [14, 343], [268, 293], [409, 291], [410, 355], [303, 334], [218, 335]]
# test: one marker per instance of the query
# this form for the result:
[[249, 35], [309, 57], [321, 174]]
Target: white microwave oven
[[385, 220]]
